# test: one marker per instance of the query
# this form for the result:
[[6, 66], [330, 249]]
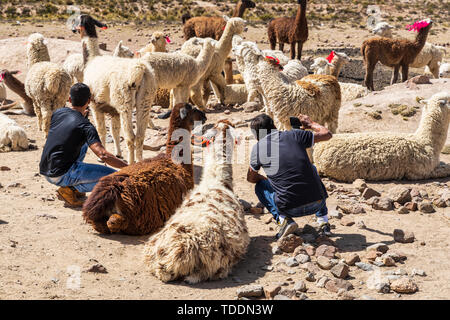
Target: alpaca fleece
[[2, 91], [207, 235], [444, 70], [386, 156], [211, 27], [157, 44], [292, 30], [12, 137], [122, 51], [214, 72], [74, 64]]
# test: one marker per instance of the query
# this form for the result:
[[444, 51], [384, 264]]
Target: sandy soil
[[43, 244]]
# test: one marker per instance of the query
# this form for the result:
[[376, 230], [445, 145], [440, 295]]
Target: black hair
[[261, 125], [79, 94]]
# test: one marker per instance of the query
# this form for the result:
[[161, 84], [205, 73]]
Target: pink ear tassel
[[331, 56], [418, 25], [168, 39], [2, 76]]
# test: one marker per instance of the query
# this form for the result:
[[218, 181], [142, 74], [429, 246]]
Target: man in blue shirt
[[293, 187]]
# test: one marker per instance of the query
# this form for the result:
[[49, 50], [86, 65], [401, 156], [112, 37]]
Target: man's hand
[[254, 177], [320, 132], [305, 121], [107, 157]]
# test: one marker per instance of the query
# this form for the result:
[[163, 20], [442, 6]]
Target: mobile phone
[[295, 122]]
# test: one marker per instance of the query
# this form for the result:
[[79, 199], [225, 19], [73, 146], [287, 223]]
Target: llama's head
[[438, 102], [320, 63], [444, 70], [159, 41], [223, 133], [383, 29], [37, 50], [341, 57], [420, 26], [85, 25], [235, 26], [122, 51], [248, 52], [185, 116]]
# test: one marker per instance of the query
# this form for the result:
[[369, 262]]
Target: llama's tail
[[363, 51]]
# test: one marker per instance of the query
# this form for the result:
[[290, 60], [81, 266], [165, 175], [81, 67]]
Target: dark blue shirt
[[283, 156]]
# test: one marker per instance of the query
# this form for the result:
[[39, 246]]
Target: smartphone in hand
[[295, 123]]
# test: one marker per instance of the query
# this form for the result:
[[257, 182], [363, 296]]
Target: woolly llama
[[12, 137], [158, 42], [394, 52], [18, 88], [211, 27], [332, 65], [207, 235], [292, 30], [122, 51], [139, 198], [387, 156], [444, 70], [430, 56], [46, 83]]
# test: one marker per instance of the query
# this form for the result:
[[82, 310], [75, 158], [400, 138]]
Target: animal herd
[[199, 232]]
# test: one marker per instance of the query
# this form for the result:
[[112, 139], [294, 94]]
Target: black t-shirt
[[283, 156], [69, 131]]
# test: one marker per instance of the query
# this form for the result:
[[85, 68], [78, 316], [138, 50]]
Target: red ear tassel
[[104, 28], [331, 56], [2, 76], [167, 39]]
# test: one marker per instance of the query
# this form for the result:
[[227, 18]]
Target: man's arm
[[254, 176], [107, 157], [320, 132]]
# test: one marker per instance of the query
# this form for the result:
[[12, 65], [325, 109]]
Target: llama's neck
[[92, 47], [178, 146], [433, 128], [300, 18], [225, 43], [218, 166], [337, 66], [239, 10], [273, 83], [205, 56], [421, 38], [36, 56]]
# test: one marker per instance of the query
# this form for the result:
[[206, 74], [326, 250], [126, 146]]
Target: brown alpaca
[[18, 88], [211, 27], [140, 198], [394, 53], [292, 30]]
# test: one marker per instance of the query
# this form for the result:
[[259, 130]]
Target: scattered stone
[[276, 250], [324, 263], [380, 247], [251, 107], [404, 285], [310, 277], [326, 251], [361, 225], [340, 271], [418, 272], [351, 258], [403, 237], [401, 272], [267, 268], [360, 185], [281, 297], [311, 267], [300, 286], [351, 209], [402, 210], [302, 296], [364, 266], [271, 291], [402, 196], [334, 285], [334, 214], [398, 257], [382, 203], [302, 258], [426, 207], [250, 291], [97, 268], [287, 292], [378, 282], [289, 243], [388, 261], [347, 221], [291, 262], [366, 297], [344, 295], [310, 250], [372, 255], [5, 168], [411, 206], [370, 193], [299, 250], [322, 281]]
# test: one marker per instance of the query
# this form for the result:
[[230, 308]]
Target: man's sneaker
[[287, 227], [67, 195], [325, 229]]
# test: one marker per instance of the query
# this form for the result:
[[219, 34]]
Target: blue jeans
[[266, 196], [82, 176]]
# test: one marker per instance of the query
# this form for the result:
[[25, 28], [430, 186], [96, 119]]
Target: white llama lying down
[[207, 235], [12, 137], [444, 70], [429, 57], [386, 156]]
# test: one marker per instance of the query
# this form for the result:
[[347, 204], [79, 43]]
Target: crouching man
[[293, 187], [70, 135]]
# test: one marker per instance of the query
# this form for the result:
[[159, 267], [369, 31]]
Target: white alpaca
[[46, 83], [12, 137], [444, 70], [386, 155], [120, 86], [179, 72], [122, 51], [207, 235], [74, 64], [214, 72], [158, 42], [429, 57]]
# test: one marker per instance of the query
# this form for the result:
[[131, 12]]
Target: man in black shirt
[[293, 187], [69, 137]]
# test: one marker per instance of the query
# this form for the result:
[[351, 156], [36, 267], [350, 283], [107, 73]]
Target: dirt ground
[[43, 245]]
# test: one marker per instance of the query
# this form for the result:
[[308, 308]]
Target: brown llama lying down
[[17, 86], [394, 53], [292, 30], [211, 27], [207, 235], [140, 198]]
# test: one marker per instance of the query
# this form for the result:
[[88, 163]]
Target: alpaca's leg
[[434, 69], [127, 125], [142, 117], [46, 119], [405, 69], [205, 92], [180, 95], [196, 96], [368, 79], [37, 111], [280, 46], [395, 74], [99, 120], [220, 83], [115, 130], [292, 50], [299, 50]]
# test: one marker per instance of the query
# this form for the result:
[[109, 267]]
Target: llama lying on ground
[[395, 53], [208, 234], [211, 27], [12, 137], [292, 30], [200, 92], [444, 70], [158, 42], [46, 83], [16, 86], [386, 156], [429, 57], [139, 198]]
